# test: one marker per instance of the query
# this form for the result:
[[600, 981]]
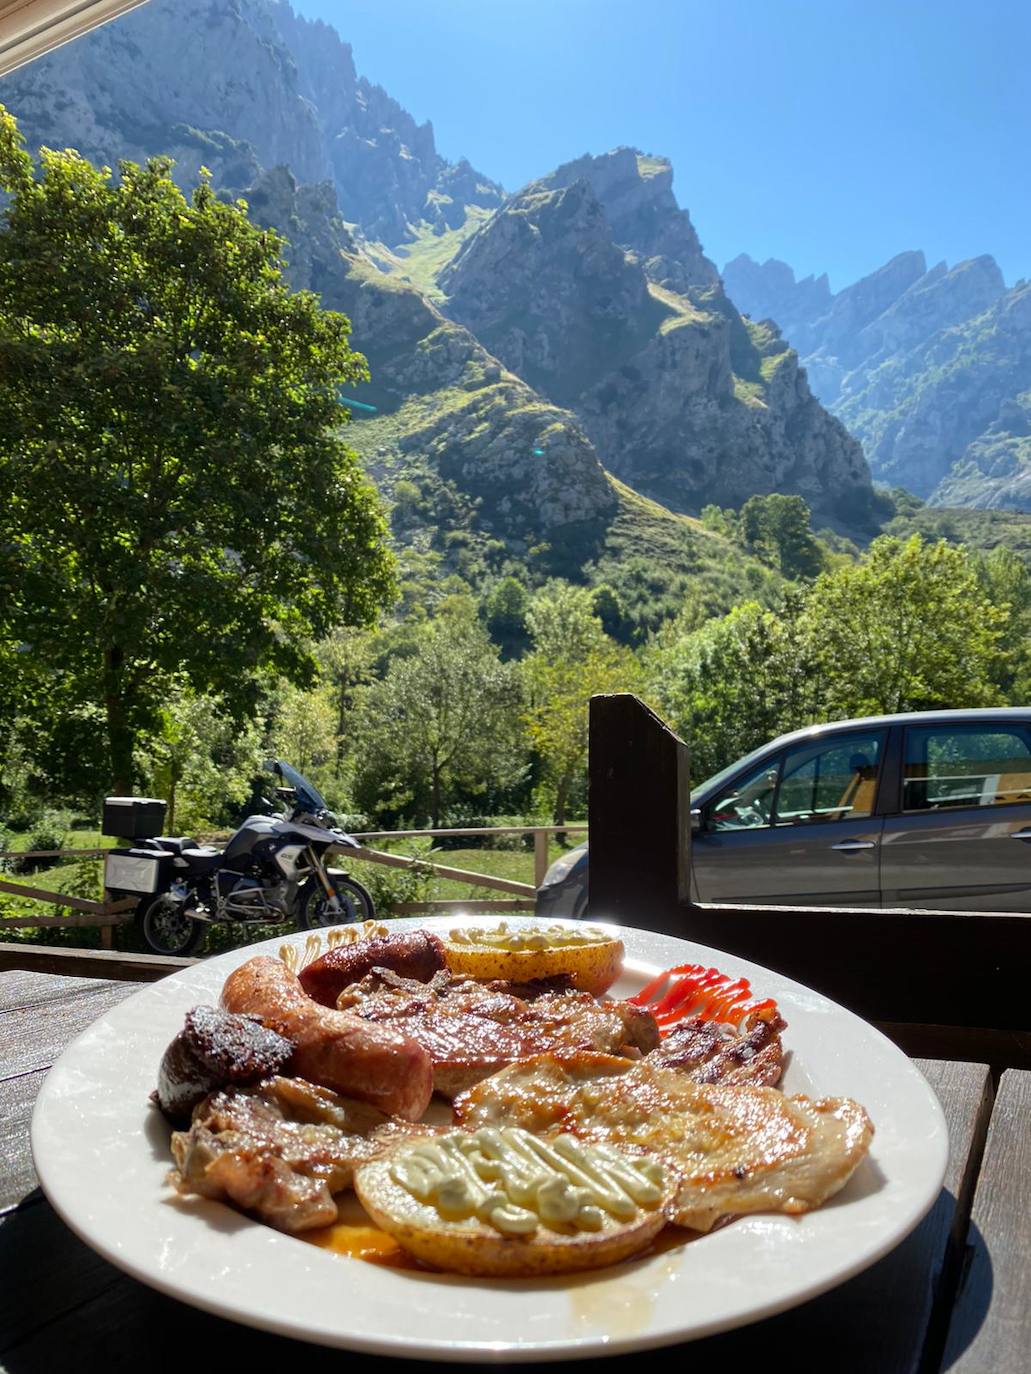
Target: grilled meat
[[215, 1048], [280, 1150], [377, 1064], [414, 954], [710, 1053], [471, 1029], [736, 1148]]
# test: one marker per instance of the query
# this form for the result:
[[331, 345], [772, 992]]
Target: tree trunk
[[120, 739], [562, 798], [435, 797]]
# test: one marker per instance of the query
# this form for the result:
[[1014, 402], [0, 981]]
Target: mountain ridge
[[247, 87], [929, 367]]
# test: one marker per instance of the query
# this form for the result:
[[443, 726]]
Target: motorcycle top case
[[136, 870], [133, 818]]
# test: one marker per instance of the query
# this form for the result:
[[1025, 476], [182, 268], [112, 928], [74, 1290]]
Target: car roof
[[702, 790], [967, 717]]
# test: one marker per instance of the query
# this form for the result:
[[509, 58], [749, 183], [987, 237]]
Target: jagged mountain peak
[[636, 191], [680, 397]]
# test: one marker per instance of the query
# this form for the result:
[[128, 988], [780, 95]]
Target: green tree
[[776, 529], [1007, 580], [505, 614], [177, 499], [442, 725], [199, 760], [573, 659], [910, 628], [736, 682]]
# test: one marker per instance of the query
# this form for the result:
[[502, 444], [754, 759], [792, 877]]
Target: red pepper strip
[[721, 1004], [682, 988], [686, 990], [650, 989], [685, 994], [709, 982], [687, 968]]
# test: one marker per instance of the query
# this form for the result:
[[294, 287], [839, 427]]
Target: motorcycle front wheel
[[313, 909], [165, 927]]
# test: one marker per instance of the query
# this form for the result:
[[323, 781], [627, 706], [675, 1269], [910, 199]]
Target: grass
[[422, 261]]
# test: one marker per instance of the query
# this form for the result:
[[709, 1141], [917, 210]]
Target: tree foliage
[[573, 659], [911, 626], [177, 500], [442, 726]]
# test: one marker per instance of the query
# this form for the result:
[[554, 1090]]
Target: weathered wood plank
[[24, 988], [33, 1037], [991, 1324], [18, 1176], [90, 963], [80, 904]]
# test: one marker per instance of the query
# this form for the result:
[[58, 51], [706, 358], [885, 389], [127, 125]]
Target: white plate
[[102, 1157]]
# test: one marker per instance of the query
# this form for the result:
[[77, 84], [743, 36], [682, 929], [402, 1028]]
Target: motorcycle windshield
[[308, 795]]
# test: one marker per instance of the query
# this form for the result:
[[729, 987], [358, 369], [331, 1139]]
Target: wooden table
[[956, 1294]]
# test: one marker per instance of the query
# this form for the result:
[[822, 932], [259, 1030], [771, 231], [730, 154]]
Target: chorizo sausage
[[335, 1048], [414, 954]]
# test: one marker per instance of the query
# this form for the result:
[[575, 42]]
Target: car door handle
[[850, 846], [1021, 835]]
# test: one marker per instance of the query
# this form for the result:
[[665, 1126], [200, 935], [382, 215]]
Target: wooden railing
[[106, 914]]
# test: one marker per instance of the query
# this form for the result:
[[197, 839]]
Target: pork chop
[[736, 1148], [472, 1029]]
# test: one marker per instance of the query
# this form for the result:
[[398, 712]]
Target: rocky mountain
[[237, 85], [586, 332], [436, 392], [929, 368], [570, 285]]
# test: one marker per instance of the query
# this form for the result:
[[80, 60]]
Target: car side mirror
[[697, 820]]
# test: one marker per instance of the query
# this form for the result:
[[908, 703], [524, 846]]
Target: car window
[[830, 780], [748, 803], [946, 767]]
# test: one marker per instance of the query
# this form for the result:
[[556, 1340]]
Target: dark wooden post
[[639, 781]]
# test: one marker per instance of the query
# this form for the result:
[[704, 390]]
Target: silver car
[[930, 809]]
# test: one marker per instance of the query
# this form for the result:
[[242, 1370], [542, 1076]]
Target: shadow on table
[[62, 1307]]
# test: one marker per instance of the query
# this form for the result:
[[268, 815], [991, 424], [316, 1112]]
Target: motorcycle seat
[[175, 844], [200, 859]]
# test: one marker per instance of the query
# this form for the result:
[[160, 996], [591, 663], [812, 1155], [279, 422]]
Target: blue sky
[[830, 133]]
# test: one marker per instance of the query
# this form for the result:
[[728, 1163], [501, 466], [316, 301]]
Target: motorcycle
[[272, 869]]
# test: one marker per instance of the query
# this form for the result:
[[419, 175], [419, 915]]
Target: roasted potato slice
[[587, 954], [466, 1238]]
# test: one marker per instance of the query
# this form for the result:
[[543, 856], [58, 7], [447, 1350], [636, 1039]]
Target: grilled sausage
[[335, 1048], [415, 954]]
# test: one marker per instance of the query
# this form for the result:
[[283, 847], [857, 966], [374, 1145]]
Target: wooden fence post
[[638, 816], [540, 856]]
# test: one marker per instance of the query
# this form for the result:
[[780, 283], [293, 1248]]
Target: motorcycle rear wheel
[[166, 929], [313, 910]]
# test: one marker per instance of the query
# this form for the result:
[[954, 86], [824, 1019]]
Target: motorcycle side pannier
[[135, 870], [133, 818]]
